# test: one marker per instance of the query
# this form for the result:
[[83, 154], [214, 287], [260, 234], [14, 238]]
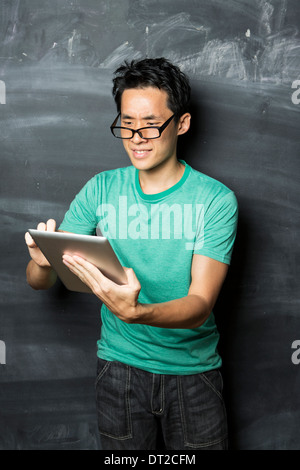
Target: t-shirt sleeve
[[217, 229], [81, 216]]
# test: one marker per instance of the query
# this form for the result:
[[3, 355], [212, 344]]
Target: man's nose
[[136, 138]]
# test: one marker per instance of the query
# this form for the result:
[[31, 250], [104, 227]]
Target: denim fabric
[[138, 410]]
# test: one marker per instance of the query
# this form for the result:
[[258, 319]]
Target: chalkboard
[[56, 64]]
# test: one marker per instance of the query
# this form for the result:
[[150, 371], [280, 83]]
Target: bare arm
[[40, 277], [191, 311], [39, 273]]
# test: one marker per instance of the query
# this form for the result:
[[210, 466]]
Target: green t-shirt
[[157, 235]]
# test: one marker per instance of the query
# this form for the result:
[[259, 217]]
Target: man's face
[[144, 108]]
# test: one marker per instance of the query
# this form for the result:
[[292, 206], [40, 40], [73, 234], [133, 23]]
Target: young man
[[173, 229]]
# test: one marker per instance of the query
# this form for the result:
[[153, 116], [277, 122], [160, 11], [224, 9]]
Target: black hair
[[158, 73]]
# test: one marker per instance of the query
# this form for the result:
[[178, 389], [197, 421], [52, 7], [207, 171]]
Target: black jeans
[[138, 410]]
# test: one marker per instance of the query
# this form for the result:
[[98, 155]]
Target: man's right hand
[[39, 272], [33, 249]]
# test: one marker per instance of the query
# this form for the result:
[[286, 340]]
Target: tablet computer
[[97, 250]]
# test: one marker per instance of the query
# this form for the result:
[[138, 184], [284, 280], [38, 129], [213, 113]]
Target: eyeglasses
[[153, 132]]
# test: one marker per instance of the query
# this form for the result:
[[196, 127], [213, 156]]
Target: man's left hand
[[122, 300]]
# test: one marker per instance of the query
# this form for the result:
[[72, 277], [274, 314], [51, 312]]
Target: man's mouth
[[140, 153]]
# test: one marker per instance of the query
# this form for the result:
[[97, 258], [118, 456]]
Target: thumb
[[132, 279], [29, 240]]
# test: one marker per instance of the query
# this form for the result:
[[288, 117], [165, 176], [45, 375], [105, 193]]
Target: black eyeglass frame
[[159, 128]]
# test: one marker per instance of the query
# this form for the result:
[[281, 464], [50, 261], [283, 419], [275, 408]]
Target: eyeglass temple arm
[[115, 122]]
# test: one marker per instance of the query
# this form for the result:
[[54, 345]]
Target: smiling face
[[145, 107]]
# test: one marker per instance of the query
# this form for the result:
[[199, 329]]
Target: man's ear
[[184, 123]]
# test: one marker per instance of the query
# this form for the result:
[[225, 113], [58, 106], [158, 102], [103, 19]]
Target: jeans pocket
[[202, 409], [112, 399]]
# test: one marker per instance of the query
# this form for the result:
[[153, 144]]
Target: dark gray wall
[[56, 60]]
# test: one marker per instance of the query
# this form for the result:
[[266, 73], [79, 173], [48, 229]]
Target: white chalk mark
[[73, 44], [147, 41], [266, 17], [272, 52], [70, 44], [123, 52]]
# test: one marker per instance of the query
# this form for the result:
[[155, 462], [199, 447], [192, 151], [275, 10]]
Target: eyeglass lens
[[144, 133]]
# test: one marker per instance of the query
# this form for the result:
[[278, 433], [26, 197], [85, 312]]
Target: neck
[[161, 177]]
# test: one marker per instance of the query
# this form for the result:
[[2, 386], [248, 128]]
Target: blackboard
[[56, 65]]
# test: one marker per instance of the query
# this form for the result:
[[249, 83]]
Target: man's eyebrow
[[125, 116], [150, 117]]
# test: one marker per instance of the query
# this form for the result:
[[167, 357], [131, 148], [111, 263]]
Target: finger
[[29, 240], [89, 273], [95, 276], [90, 267], [81, 271], [84, 267], [51, 225], [41, 226]]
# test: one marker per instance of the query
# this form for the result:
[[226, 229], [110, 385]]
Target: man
[[172, 228]]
